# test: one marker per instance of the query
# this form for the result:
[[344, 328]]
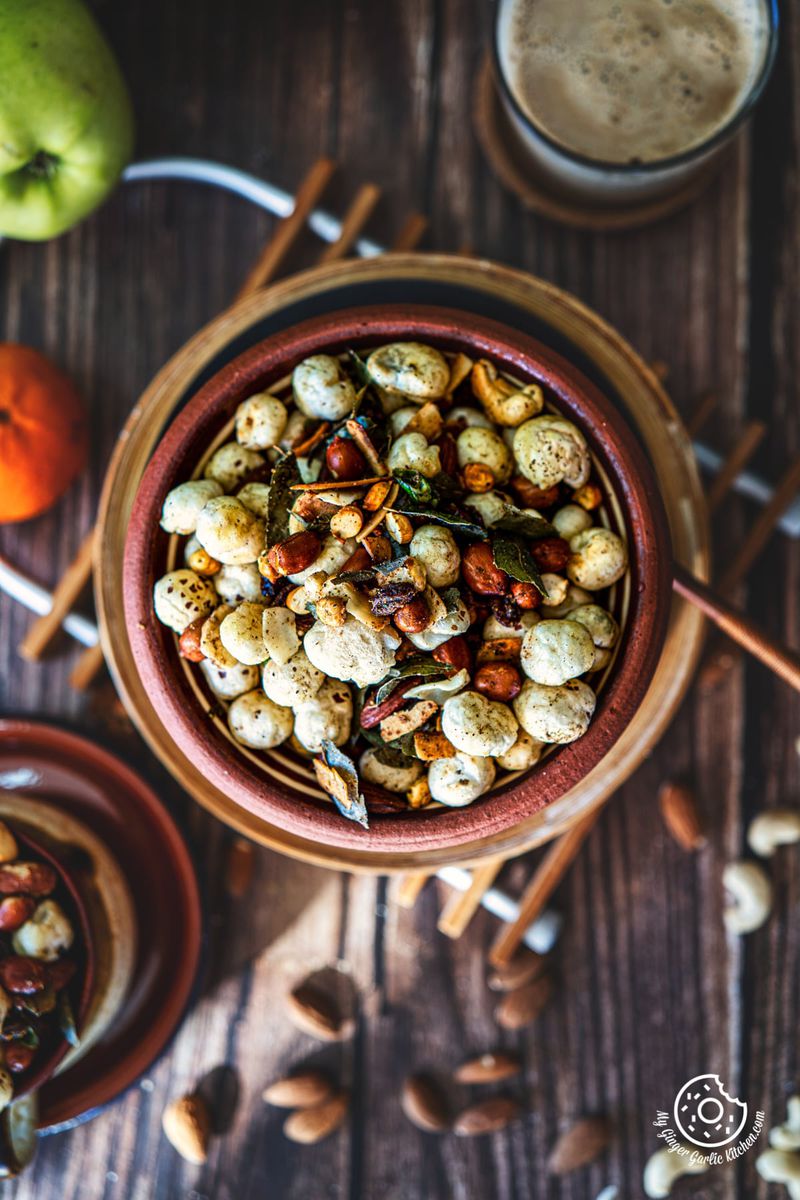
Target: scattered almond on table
[[304, 1089], [310, 1125], [521, 1007], [679, 813], [488, 1068], [187, 1126], [425, 1104], [582, 1143], [316, 1013], [487, 1116]]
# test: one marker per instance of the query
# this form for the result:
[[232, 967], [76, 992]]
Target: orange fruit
[[43, 433]]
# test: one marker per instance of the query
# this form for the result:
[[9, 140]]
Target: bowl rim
[[35, 1079], [185, 440]]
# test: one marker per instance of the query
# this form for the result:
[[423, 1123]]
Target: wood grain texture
[[650, 991]]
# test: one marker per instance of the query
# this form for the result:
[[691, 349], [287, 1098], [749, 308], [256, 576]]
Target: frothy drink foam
[[635, 80]]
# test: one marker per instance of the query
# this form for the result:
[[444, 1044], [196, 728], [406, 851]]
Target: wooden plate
[[87, 783], [483, 288]]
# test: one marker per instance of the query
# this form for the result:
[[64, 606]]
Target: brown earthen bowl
[[279, 785]]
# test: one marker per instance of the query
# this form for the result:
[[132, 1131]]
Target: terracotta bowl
[[80, 988], [278, 785]]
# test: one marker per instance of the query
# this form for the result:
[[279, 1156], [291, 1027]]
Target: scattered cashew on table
[[747, 883], [781, 1163], [666, 1166]]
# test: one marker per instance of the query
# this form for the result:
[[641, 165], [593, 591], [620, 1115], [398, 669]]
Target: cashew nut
[[504, 403], [751, 896], [666, 1166], [781, 1166], [776, 827], [787, 1136]]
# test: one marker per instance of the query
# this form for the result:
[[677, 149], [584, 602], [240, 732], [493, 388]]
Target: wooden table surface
[[651, 991]]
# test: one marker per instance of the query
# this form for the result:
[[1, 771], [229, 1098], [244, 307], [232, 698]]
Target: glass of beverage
[[625, 101]]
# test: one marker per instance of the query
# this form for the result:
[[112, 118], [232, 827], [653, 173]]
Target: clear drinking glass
[[592, 180]]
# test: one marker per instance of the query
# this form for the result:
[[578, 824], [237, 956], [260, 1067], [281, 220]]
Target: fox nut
[[555, 714], [556, 651], [231, 533], [180, 597], [184, 504], [598, 558], [260, 421], [231, 464], [258, 722], [459, 780], [477, 726]]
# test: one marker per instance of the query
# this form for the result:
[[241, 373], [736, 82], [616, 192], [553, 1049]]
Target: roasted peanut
[[478, 478], [8, 844], [346, 522], [525, 595], [379, 547], [550, 554], [359, 560], [345, 460], [413, 617], [448, 453], [589, 496], [454, 653], [480, 573], [14, 911], [189, 641], [202, 563], [531, 496], [30, 878], [399, 527], [295, 554], [22, 976], [499, 650], [498, 681], [376, 495], [59, 973]]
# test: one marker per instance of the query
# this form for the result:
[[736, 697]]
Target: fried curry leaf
[[451, 599], [359, 368], [281, 499], [450, 520], [338, 776], [392, 756], [512, 556], [415, 485], [514, 520]]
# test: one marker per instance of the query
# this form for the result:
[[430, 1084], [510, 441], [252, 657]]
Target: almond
[[582, 1143], [522, 1006], [315, 1013], [294, 554], [488, 1068], [488, 1116], [310, 1125], [239, 867], [425, 1104], [187, 1126], [523, 967], [303, 1090], [680, 815]]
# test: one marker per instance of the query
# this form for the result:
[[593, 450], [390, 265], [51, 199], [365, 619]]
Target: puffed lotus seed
[[180, 597], [322, 389], [458, 781], [411, 369], [260, 421], [476, 445], [241, 633], [598, 558], [394, 779], [555, 651], [555, 714], [326, 717], [229, 682], [230, 532], [184, 504], [436, 548], [478, 726], [231, 464], [411, 452], [258, 722]]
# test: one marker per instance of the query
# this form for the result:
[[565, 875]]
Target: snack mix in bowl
[[400, 554]]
